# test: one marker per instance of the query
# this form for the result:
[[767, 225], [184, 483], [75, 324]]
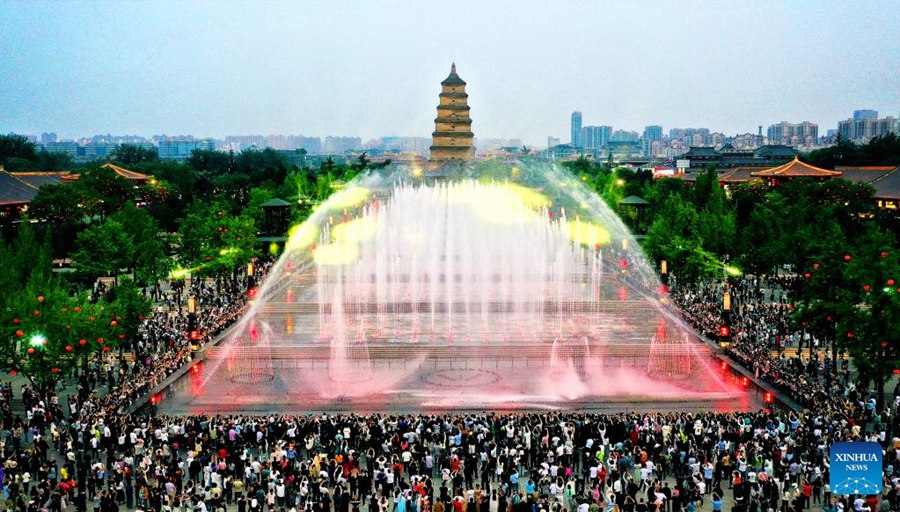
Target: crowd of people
[[761, 331], [89, 454]]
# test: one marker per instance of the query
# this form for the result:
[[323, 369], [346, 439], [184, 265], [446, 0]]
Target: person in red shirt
[[807, 492]]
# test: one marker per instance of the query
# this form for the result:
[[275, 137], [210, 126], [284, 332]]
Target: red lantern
[[114, 323], [866, 287], [851, 335], [815, 265], [13, 372], [40, 298], [55, 370], [846, 257], [828, 318], [30, 350], [68, 326], [883, 344], [105, 348], [91, 318], [100, 340], [890, 282], [896, 371], [82, 342], [121, 336], [16, 321], [884, 254], [69, 348], [37, 313], [20, 333], [77, 309], [807, 275]]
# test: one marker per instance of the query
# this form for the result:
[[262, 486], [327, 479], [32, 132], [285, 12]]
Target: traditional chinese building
[[794, 169], [452, 137]]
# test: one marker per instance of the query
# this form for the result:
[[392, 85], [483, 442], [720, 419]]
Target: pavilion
[[794, 169]]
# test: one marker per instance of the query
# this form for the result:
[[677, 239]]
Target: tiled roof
[[39, 179], [796, 168], [859, 175], [14, 190], [888, 185], [125, 173], [737, 175]]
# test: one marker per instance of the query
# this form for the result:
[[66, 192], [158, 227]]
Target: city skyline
[[359, 70]]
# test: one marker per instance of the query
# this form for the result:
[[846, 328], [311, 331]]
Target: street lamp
[[193, 332], [726, 300]]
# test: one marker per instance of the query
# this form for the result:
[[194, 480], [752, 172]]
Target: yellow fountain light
[[501, 207], [587, 233], [356, 230], [416, 171], [273, 249], [179, 273], [348, 197], [529, 197], [336, 254], [301, 236], [733, 271], [515, 172]]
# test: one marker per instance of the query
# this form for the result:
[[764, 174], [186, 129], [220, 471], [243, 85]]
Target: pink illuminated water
[[458, 294]]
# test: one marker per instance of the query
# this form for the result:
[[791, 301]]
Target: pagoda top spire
[[453, 68]]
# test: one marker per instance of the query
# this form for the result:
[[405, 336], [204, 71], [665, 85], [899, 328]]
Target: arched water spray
[[457, 292]]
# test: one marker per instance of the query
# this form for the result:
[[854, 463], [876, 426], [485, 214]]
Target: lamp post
[[664, 272], [725, 328], [250, 269], [193, 332]]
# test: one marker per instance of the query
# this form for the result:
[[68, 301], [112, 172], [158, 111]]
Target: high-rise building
[[859, 115], [340, 145], [862, 130], [653, 133], [48, 138], [552, 141], [69, 147], [596, 137], [452, 139], [179, 149], [576, 129], [790, 134], [625, 136]]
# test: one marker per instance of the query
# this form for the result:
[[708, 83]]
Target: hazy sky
[[372, 68]]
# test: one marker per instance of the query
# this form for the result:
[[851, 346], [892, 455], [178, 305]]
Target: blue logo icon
[[856, 468]]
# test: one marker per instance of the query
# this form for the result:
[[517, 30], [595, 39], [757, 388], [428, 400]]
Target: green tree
[[104, 249], [130, 308], [46, 330], [131, 154], [16, 146]]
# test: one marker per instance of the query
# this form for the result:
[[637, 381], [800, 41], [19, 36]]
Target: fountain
[[514, 287]]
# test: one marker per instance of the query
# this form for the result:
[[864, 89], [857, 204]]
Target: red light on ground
[[663, 289], [769, 398], [724, 365], [194, 335], [724, 331], [251, 293], [195, 368], [746, 382]]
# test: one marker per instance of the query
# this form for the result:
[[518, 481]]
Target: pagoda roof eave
[[796, 168]]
